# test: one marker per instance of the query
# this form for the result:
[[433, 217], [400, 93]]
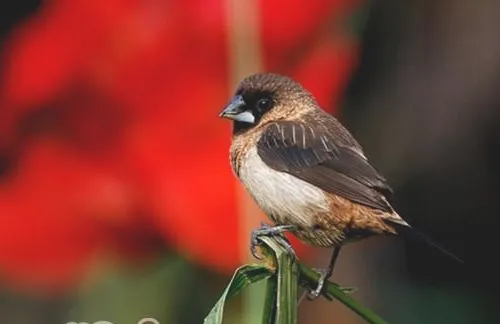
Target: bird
[[306, 171]]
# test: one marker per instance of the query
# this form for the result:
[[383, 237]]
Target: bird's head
[[266, 97]]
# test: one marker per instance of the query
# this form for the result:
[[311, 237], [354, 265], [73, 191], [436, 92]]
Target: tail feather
[[405, 229]]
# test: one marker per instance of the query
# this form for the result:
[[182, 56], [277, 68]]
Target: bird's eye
[[264, 104]]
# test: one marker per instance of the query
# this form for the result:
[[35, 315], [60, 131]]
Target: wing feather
[[311, 153]]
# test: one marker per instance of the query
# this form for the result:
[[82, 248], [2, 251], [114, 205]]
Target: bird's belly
[[285, 198]]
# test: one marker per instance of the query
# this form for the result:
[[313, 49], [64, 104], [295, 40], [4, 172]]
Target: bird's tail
[[405, 229]]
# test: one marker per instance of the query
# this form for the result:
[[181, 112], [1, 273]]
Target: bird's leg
[[276, 231], [325, 274]]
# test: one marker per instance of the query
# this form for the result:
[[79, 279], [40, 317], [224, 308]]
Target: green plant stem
[[287, 274], [269, 313], [288, 278], [311, 277]]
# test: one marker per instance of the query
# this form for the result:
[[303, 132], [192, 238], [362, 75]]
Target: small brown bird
[[304, 169]]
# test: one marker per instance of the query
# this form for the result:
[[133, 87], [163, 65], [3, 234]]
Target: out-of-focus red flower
[[110, 134], [58, 211], [310, 41]]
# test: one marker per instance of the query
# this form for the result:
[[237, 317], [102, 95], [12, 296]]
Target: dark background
[[425, 104]]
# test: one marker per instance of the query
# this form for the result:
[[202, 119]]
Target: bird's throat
[[241, 127]]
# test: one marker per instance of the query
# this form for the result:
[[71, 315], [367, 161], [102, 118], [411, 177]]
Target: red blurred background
[[110, 145], [109, 127]]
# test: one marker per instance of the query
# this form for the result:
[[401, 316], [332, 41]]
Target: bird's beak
[[237, 110]]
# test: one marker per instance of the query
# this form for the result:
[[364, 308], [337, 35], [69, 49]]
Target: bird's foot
[[275, 231], [324, 275]]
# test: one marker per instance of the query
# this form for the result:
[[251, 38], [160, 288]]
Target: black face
[[247, 108], [257, 102], [258, 94]]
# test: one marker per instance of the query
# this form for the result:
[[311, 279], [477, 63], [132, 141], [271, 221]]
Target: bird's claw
[[288, 247], [324, 275], [276, 231], [253, 245]]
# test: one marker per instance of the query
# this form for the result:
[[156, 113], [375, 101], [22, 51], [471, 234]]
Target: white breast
[[285, 198]]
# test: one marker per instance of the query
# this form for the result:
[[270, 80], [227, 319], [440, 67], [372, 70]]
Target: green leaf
[[281, 293], [288, 275], [243, 277], [269, 312]]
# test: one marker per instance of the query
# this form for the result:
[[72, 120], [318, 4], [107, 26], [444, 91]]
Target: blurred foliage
[[163, 291]]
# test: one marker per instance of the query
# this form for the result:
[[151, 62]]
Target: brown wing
[[312, 153]]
